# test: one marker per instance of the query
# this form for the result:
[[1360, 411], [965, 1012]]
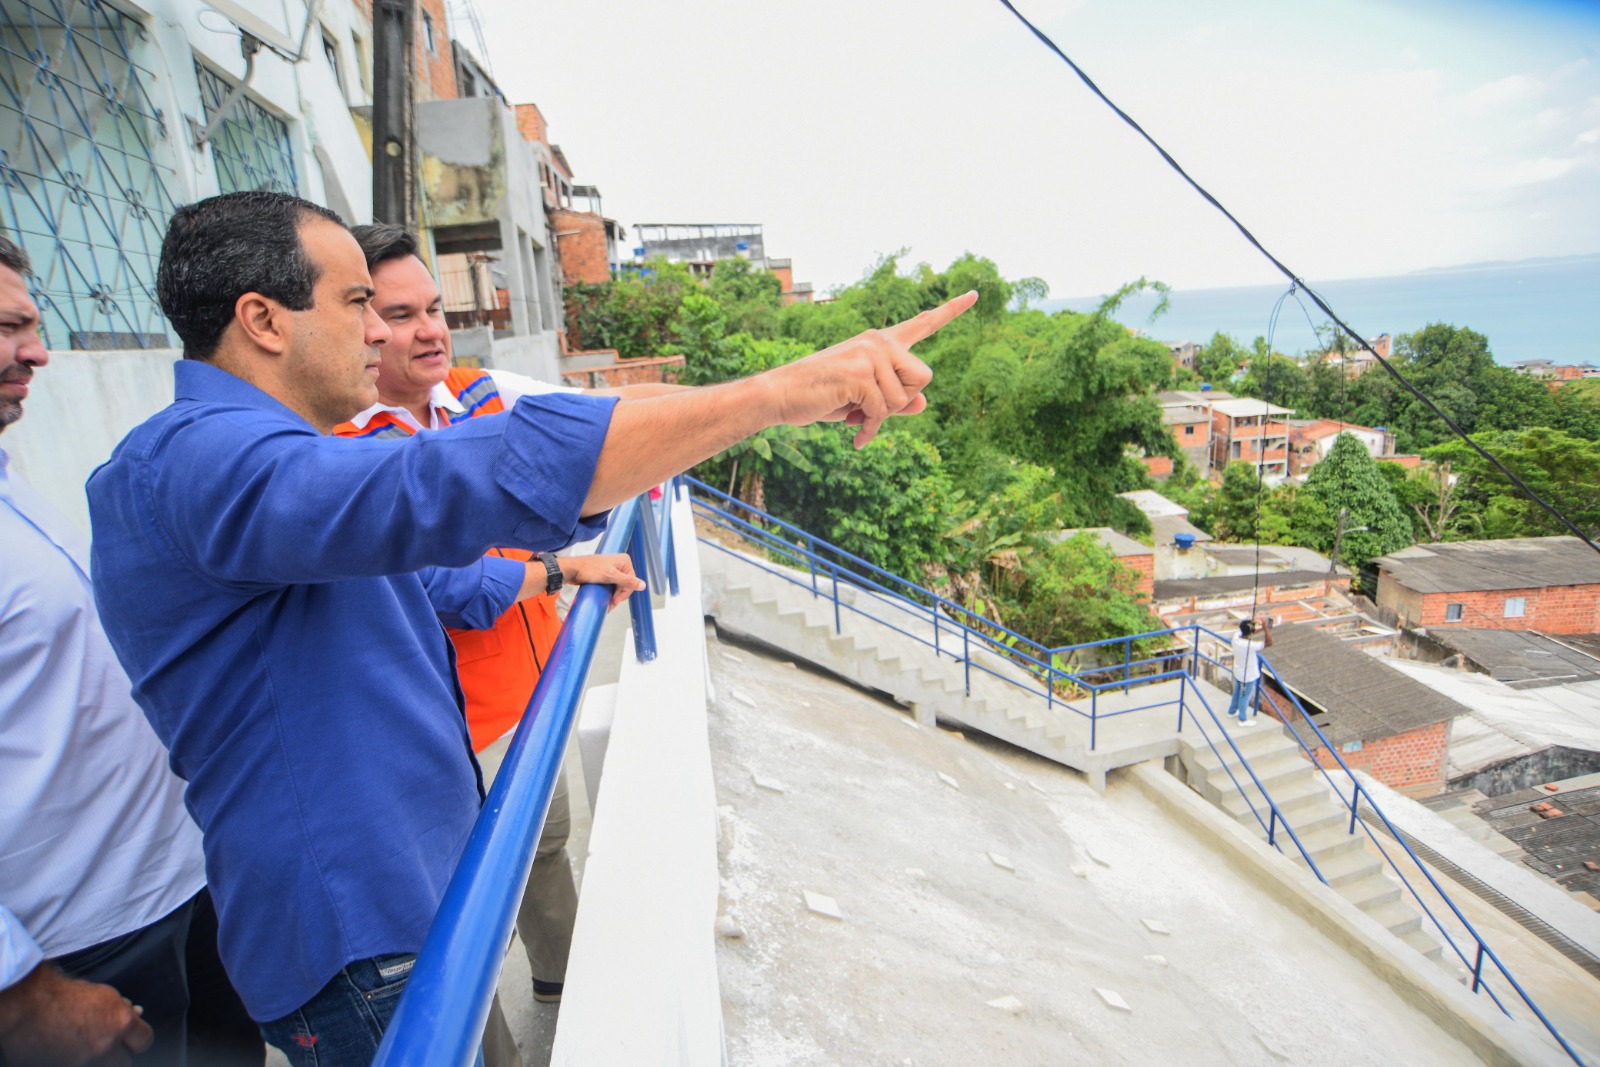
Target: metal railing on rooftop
[[441, 1015]]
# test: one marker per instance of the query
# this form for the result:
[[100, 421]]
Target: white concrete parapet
[[641, 982]]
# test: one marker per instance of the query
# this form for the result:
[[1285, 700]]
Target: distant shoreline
[[1545, 308]]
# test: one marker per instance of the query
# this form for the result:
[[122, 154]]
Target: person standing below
[[1247, 649], [261, 584], [419, 389], [101, 871]]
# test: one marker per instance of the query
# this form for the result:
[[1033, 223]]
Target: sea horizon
[[1544, 308]]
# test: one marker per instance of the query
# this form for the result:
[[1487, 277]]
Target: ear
[[264, 322]]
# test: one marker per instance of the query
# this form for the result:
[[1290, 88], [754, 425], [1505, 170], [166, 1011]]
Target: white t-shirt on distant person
[[1247, 657]]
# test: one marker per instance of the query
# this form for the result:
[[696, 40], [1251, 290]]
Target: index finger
[[923, 326]]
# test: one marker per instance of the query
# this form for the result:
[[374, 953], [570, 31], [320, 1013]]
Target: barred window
[[251, 146], [83, 188]]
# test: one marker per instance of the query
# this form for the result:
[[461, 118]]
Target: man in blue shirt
[[259, 581]]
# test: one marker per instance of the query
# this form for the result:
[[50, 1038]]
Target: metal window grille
[[251, 145], [80, 184]]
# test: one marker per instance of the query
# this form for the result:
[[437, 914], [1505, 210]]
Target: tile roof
[[1512, 563], [1364, 698]]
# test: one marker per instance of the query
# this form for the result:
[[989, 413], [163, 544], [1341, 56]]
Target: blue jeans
[[343, 1024], [1244, 698]]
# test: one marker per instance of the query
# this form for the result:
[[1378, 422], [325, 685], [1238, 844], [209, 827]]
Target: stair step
[[1399, 917], [1290, 797], [1275, 749], [1424, 942], [1371, 892], [1273, 772], [1331, 839], [1340, 868]]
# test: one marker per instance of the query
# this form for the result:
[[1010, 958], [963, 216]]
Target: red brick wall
[[1158, 466], [581, 244], [531, 124], [1145, 567], [1566, 609], [1410, 762], [786, 277], [436, 73]]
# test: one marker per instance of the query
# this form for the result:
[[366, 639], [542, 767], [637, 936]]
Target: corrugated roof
[[1523, 659], [1505, 722], [1365, 699], [1475, 566]]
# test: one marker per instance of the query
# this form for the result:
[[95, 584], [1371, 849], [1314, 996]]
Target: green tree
[[889, 503], [1237, 503], [750, 296], [635, 313], [1561, 468], [1347, 487], [1073, 592], [1218, 358]]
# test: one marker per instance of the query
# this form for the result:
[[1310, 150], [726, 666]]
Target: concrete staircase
[[1349, 863], [782, 612], [1004, 701]]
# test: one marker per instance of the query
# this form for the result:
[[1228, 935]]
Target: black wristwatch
[[553, 576]]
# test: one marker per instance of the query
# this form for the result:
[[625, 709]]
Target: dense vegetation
[[1549, 438], [1036, 420], [1032, 426]]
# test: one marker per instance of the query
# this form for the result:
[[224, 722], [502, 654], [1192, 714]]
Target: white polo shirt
[[511, 387]]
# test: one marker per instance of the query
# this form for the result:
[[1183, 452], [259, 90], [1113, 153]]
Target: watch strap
[[554, 579]]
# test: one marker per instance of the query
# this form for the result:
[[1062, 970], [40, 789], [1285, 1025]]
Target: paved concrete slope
[[1011, 879]]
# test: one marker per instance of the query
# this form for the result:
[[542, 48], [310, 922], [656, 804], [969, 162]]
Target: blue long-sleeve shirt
[[259, 583]]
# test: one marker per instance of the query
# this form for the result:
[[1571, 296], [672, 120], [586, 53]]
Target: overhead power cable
[[1296, 280]]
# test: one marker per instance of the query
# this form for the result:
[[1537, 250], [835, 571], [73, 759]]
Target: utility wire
[[1295, 279]]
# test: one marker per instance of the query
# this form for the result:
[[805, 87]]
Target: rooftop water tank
[[1184, 541], [1205, 388]]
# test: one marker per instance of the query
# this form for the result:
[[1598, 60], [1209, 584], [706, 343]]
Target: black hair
[[220, 248], [382, 241], [13, 256], [1247, 628]]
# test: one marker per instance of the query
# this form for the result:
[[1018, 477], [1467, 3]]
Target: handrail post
[[935, 613], [669, 543], [1477, 969], [1272, 827], [1094, 715], [1182, 695], [649, 533], [837, 628], [1127, 666], [811, 558], [1050, 681], [644, 624], [966, 658]]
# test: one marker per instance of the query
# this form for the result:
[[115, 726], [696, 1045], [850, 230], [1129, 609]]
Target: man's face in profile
[[334, 353], [21, 349]]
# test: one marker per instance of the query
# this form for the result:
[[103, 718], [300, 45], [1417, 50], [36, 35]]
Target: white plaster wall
[[78, 408], [536, 355]]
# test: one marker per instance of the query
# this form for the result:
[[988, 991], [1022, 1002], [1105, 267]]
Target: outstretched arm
[[862, 381]]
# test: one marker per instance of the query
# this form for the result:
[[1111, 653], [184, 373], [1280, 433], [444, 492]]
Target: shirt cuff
[[502, 581], [19, 954]]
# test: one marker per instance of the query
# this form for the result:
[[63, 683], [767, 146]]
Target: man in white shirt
[[100, 864], [1247, 649]]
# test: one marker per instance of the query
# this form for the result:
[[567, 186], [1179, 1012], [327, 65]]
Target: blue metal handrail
[[1183, 650], [441, 1015], [1359, 792]]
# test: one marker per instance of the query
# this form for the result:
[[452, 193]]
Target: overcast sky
[[1355, 138]]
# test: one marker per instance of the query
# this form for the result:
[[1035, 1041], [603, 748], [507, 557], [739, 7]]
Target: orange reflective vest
[[498, 667]]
